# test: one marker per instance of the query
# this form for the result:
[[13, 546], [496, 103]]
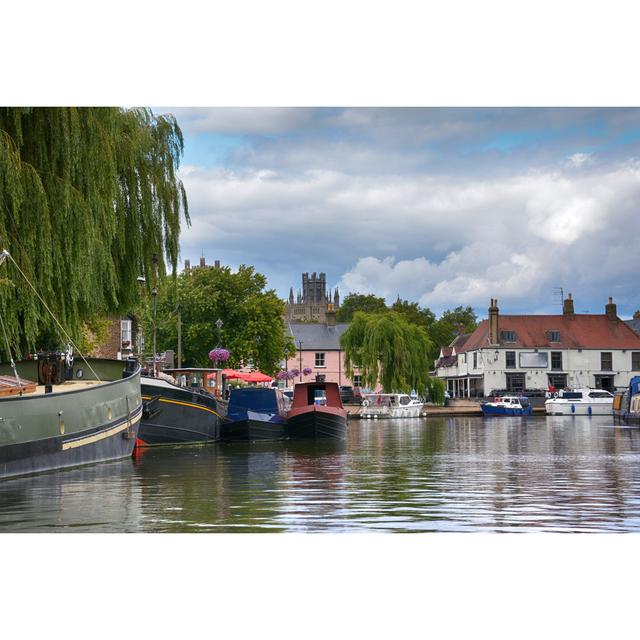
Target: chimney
[[567, 307], [610, 310], [331, 316], [493, 322]]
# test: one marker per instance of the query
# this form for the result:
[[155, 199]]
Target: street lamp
[[300, 343], [219, 324], [154, 293]]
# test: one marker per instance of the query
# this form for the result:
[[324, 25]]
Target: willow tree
[[87, 196], [386, 348]]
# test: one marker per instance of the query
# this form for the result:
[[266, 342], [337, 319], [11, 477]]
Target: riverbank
[[456, 408]]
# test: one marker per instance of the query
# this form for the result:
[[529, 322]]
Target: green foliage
[[358, 302], [413, 313], [385, 347], [252, 326], [449, 325], [435, 390], [87, 196]]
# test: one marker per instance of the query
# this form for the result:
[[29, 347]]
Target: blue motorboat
[[507, 406], [255, 413]]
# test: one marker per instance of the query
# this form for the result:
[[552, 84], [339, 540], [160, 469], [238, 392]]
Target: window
[[320, 360], [357, 380], [606, 361], [515, 382], [475, 359], [125, 332], [508, 336], [554, 336], [635, 361], [510, 359], [556, 360]]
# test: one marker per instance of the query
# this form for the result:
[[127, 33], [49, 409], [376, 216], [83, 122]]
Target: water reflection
[[441, 474]]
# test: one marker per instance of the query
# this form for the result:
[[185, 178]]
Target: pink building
[[318, 348]]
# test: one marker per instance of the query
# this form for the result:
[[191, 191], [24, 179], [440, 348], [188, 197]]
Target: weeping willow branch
[[385, 348], [87, 196]]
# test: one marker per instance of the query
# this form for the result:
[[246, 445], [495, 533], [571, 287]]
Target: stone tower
[[312, 301]]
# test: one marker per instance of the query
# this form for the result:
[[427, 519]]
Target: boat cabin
[[318, 393], [196, 378]]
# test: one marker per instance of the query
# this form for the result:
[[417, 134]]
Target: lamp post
[[154, 293], [286, 367], [219, 324], [300, 351]]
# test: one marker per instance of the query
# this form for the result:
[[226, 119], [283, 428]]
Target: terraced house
[[530, 353]]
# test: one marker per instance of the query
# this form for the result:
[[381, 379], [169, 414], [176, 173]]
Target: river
[[459, 474]]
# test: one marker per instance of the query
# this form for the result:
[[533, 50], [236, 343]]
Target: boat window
[[572, 395], [405, 400], [600, 394]]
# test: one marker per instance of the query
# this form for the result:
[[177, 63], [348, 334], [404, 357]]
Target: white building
[[531, 352]]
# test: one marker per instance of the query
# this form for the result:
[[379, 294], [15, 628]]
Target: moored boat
[[59, 414], [390, 405], [507, 406], [255, 413], [626, 404], [568, 402], [316, 412], [178, 413]]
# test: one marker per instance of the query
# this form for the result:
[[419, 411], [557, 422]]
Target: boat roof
[[386, 394], [191, 370]]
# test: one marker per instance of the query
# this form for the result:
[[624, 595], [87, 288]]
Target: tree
[[252, 326], [385, 347], [449, 325], [412, 312], [87, 196], [359, 302]]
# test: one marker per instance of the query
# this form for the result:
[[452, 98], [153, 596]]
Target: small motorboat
[[507, 406], [317, 412], [390, 405], [255, 413], [580, 402]]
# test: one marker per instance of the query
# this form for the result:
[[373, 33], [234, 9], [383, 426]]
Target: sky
[[440, 206]]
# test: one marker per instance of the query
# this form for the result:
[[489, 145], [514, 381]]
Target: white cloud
[[578, 160]]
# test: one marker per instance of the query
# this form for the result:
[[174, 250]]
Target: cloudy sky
[[440, 206]]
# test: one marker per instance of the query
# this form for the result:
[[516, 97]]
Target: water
[[560, 474]]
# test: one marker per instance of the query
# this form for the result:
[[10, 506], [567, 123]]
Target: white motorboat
[[390, 405], [580, 402]]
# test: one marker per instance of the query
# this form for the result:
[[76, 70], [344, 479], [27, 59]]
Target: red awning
[[231, 374], [258, 376]]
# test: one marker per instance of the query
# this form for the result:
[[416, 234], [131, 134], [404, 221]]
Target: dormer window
[[554, 336], [508, 336]]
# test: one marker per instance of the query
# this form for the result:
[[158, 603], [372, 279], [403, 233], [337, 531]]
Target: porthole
[[61, 427]]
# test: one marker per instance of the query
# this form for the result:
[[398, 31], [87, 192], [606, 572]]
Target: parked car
[[347, 395]]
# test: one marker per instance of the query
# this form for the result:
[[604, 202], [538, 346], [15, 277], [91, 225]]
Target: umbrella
[[258, 376], [231, 374]]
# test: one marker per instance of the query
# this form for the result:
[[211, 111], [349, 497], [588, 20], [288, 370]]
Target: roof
[[446, 351], [317, 336], [578, 332], [634, 324], [459, 341]]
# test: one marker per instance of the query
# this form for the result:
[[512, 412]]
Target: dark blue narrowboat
[[255, 413], [626, 404]]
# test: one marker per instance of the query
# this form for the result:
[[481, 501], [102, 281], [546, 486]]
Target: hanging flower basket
[[307, 371], [219, 354], [294, 373], [282, 375]]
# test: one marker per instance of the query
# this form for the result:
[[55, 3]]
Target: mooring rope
[[13, 364], [51, 314]]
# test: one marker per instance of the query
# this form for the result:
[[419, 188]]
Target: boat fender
[[573, 408], [365, 403], [589, 410], [555, 395]]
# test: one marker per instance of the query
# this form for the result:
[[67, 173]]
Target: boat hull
[[488, 410], [175, 415], [317, 422], [251, 429], [69, 428], [555, 408]]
